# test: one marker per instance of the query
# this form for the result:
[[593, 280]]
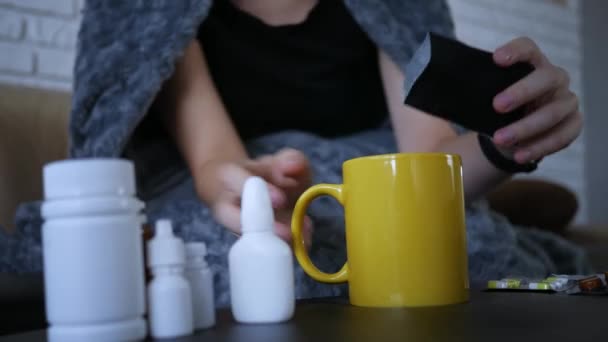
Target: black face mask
[[456, 82]]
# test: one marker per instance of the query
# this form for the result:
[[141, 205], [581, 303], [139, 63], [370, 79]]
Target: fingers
[[287, 168], [291, 161], [284, 172], [227, 212], [283, 224], [292, 172], [234, 177], [537, 122], [556, 120], [307, 231], [261, 166], [521, 49], [283, 228], [554, 140], [538, 83], [269, 167]]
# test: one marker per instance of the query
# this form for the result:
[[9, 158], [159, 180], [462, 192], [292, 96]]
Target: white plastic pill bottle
[[92, 251]]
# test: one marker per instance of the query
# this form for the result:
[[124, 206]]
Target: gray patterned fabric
[[127, 49]]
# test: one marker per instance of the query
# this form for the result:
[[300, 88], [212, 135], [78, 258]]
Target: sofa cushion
[[33, 131], [535, 202]]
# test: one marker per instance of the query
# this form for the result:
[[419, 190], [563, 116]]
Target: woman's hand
[[554, 120], [215, 154], [220, 185]]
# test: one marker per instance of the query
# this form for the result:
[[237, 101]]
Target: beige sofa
[[33, 127]]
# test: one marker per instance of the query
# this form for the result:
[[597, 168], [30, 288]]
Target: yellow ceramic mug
[[405, 230]]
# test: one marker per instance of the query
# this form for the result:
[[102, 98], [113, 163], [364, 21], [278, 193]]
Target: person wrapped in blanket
[[202, 94]]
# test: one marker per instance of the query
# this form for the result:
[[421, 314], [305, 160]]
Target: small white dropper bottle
[[169, 294], [200, 277], [261, 264]]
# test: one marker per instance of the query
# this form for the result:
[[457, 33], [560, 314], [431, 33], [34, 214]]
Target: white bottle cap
[[256, 207], [165, 249], [196, 250], [88, 177]]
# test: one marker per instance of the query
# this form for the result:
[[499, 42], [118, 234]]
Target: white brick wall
[[60, 7], [56, 32], [37, 41], [11, 26], [54, 63], [554, 25], [16, 58]]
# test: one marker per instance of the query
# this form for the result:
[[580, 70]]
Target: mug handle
[[335, 191]]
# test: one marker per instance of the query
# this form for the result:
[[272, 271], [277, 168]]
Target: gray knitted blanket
[[127, 49]]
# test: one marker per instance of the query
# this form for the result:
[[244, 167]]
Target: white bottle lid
[[165, 249], [195, 255], [196, 250], [256, 207], [88, 177]]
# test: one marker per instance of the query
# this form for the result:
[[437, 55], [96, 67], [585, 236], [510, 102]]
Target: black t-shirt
[[320, 76]]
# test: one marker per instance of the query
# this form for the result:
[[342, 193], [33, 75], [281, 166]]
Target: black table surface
[[488, 316]]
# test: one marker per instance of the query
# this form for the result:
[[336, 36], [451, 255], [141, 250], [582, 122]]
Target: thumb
[[228, 213], [261, 166]]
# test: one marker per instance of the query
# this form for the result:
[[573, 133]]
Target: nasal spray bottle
[[260, 263]]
